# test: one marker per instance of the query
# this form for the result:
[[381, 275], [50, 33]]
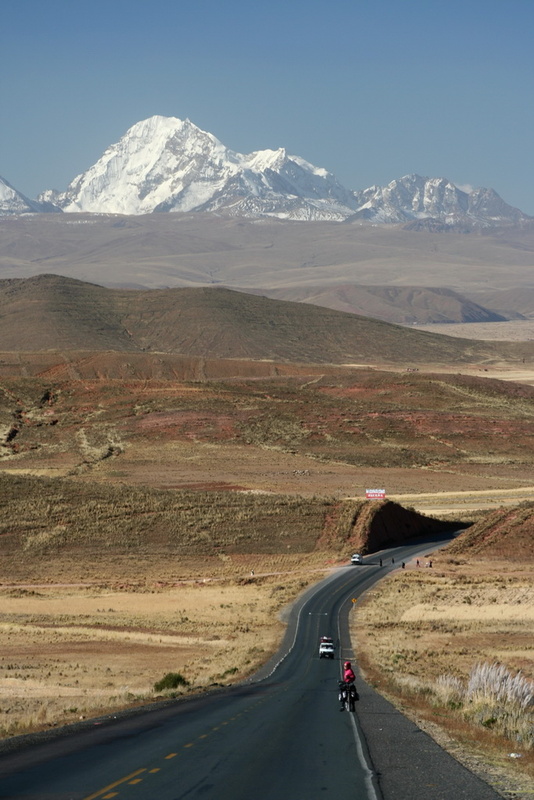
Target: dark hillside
[[516, 302], [368, 527], [54, 313], [49, 312]]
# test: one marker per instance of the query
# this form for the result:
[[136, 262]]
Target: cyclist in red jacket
[[347, 688], [348, 674]]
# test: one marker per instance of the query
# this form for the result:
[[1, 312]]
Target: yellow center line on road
[[133, 779], [100, 792]]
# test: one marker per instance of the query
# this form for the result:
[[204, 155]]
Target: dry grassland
[[510, 331], [422, 635], [138, 562], [73, 651], [463, 504]]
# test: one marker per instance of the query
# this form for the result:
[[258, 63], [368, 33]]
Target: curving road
[[280, 736]]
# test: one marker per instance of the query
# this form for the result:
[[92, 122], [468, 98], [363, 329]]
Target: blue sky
[[369, 90]]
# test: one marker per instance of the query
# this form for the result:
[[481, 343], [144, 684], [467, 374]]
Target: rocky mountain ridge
[[167, 164], [434, 199], [14, 202]]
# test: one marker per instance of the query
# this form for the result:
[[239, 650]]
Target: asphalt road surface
[[278, 737]]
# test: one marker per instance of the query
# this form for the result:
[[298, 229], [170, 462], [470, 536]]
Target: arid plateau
[[161, 507]]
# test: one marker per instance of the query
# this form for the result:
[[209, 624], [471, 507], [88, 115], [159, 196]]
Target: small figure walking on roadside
[[417, 563], [380, 562], [430, 563], [403, 565], [392, 560]]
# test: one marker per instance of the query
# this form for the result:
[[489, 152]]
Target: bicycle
[[347, 696]]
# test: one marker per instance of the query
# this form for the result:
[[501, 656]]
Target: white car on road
[[326, 650]]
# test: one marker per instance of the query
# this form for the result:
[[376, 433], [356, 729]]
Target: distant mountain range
[[167, 164]]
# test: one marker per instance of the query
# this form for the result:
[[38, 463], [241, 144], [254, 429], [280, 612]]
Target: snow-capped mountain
[[169, 164], [14, 202], [417, 198], [166, 164]]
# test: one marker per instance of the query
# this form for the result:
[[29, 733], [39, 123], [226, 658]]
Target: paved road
[[280, 737]]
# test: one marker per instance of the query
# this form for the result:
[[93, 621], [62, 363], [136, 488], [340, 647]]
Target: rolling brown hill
[[518, 301], [50, 312]]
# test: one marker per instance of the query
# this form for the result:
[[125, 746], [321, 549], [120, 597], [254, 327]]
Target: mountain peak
[[169, 164]]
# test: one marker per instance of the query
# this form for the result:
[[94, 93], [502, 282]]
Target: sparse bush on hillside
[[172, 680], [503, 533]]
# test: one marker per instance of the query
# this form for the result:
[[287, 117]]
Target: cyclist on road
[[347, 689]]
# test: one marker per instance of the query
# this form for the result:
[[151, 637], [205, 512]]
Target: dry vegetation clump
[[492, 696], [453, 644]]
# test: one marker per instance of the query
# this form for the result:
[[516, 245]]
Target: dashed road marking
[[132, 779], [107, 789]]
